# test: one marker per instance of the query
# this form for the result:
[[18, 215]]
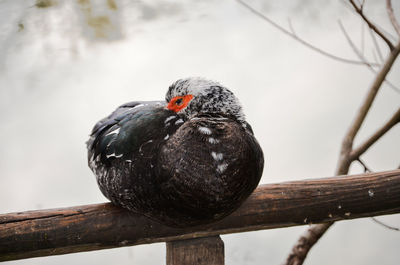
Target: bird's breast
[[210, 164]]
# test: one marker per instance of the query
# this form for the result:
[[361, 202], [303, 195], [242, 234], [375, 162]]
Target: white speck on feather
[[128, 160], [116, 131], [371, 193], [347, 214], [140, 148], [109, 144], [217, 156], [222, 167], [169, 118], [179, 122], [166, 137], [205, 130], [114, 155], [213, 140], [339, 206], [138, 106]]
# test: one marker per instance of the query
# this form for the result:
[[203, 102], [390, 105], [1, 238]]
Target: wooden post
[[199, 251]]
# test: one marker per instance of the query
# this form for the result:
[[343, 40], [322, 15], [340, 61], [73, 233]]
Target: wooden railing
[[100, 226]]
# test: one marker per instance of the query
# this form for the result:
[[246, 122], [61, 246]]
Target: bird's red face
[[180, 102]]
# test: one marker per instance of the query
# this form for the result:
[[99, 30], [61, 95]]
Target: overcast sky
[[64, 67]]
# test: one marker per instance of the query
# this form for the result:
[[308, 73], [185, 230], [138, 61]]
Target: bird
[[190, 160]]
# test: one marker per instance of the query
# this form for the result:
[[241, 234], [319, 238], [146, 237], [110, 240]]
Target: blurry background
[[66, 64]]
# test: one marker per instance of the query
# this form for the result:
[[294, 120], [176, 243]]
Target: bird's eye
[[179, 101]]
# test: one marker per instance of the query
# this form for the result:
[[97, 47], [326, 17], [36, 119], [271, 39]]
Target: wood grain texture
[[100, 226], [199, 251]]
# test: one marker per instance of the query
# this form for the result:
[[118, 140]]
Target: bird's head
[[192, 96]]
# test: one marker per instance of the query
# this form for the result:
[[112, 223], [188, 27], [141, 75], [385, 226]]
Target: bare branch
[[371, 25], [351, 8], [345, 160], [392, 18], [362, 58], [285, 31], [385, 225], [357, 152]]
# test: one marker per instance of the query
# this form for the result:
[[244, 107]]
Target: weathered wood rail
[[100, 226]]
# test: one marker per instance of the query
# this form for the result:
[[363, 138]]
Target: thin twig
[[285, 31], [362, 38], [385, 225], [366, 169], [390, 36], [291, 27], [353, 46], [371, 25], [306, 241], [361, 56], [392, 18], [351, 8], [357, 152], [377, 48], [347, 5], [374, 55]]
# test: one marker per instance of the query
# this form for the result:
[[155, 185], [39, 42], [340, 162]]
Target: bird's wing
[[118, 114], [105, 131]]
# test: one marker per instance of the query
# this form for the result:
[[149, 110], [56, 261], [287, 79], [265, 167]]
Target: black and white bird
[[191, 159]]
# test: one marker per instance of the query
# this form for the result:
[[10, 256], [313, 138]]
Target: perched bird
[[191, 159]]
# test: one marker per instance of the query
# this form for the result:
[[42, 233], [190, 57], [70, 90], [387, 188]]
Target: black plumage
[[190, 160]]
